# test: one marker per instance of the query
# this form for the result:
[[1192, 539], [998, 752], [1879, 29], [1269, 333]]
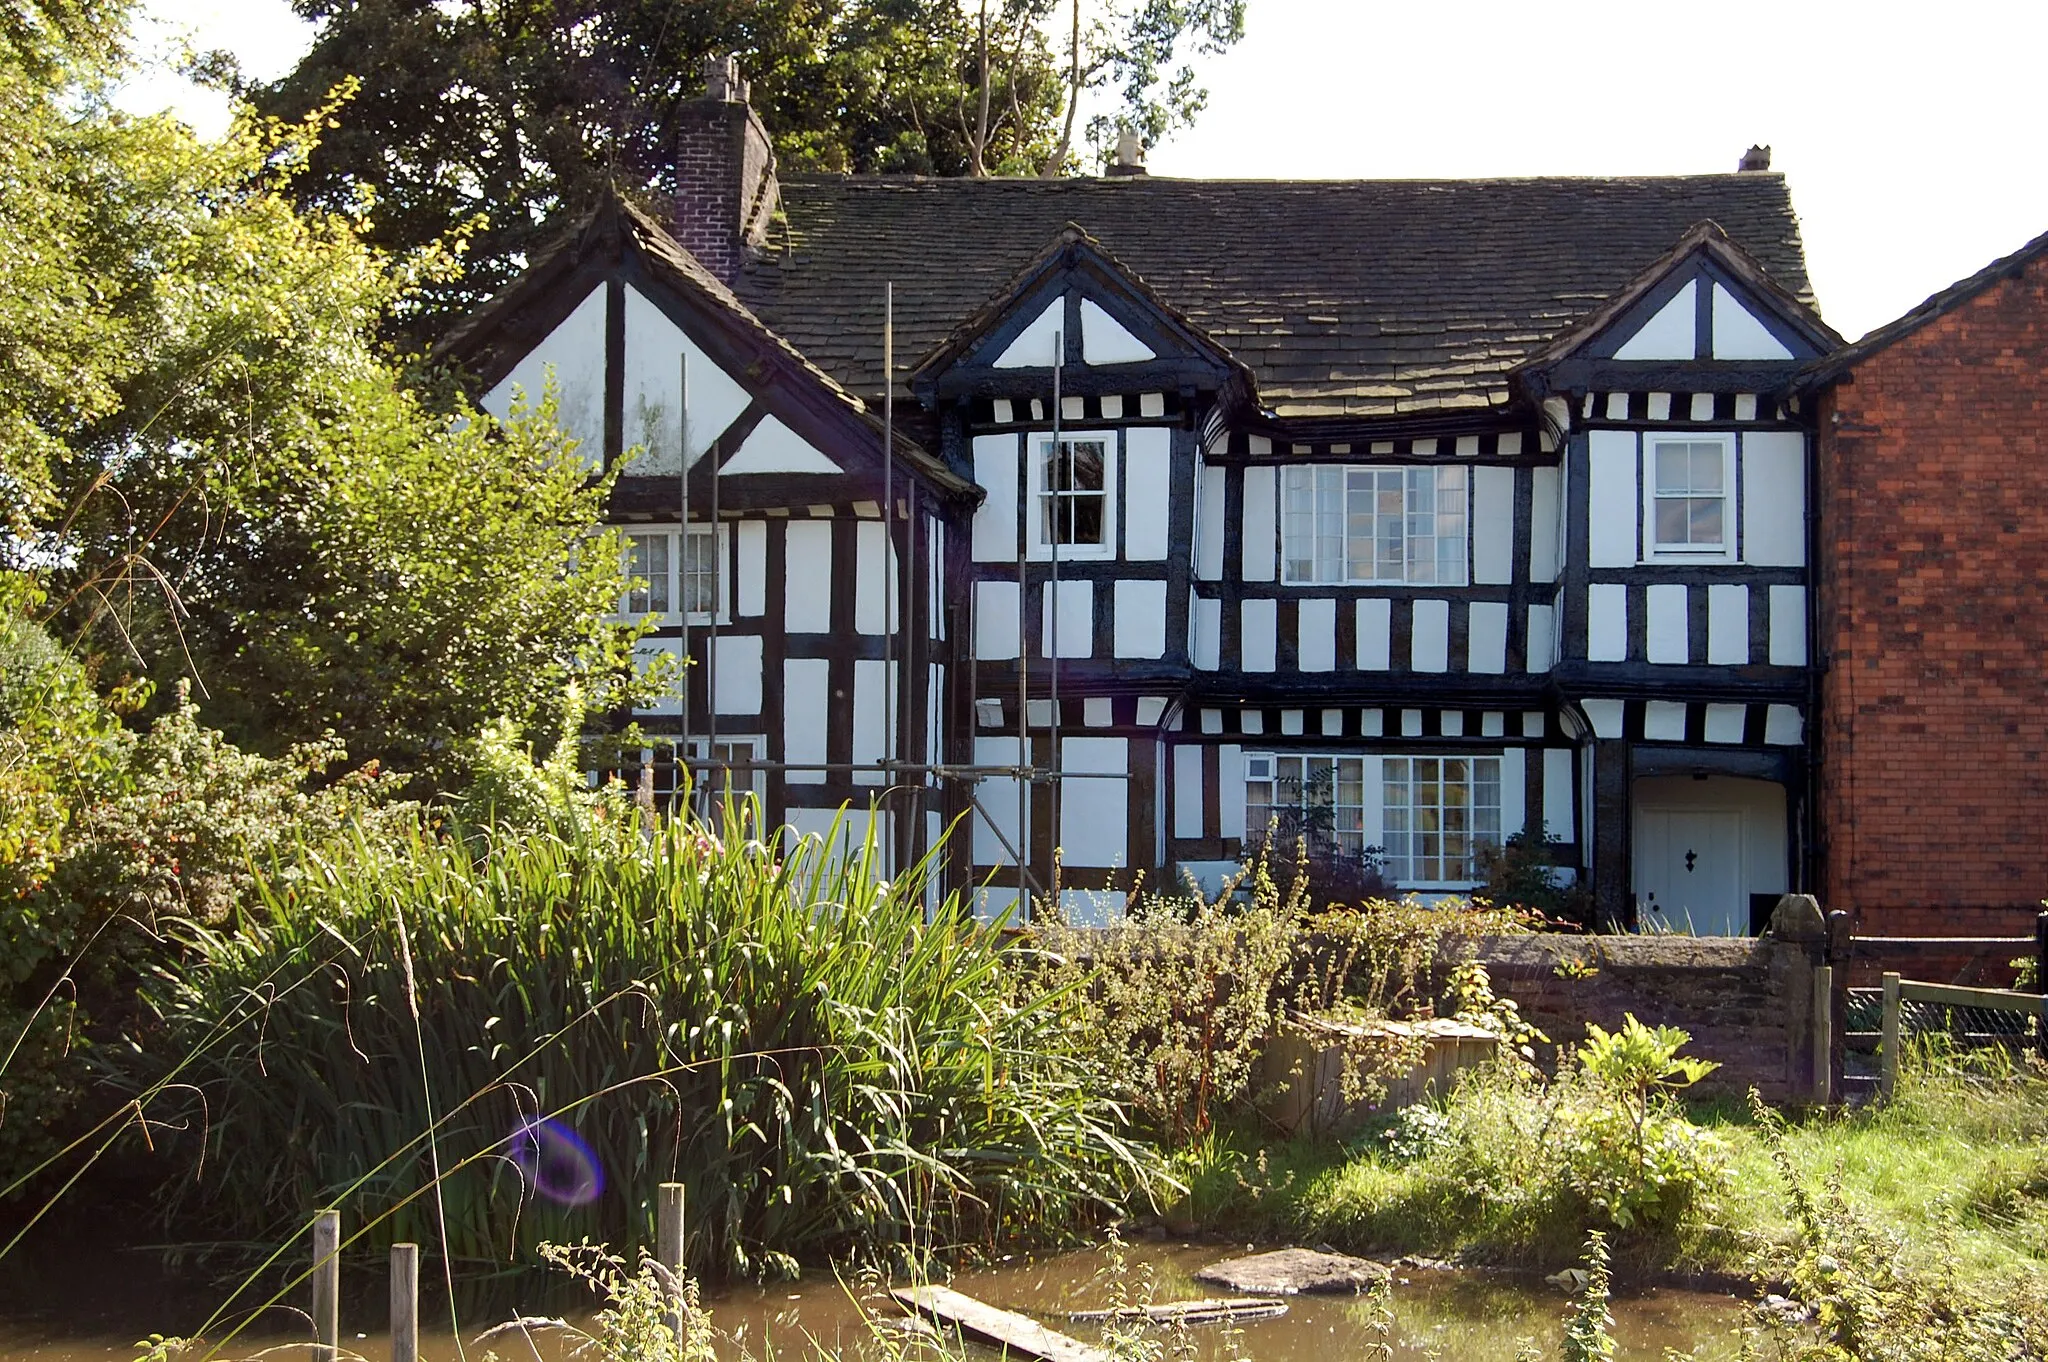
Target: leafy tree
[[223, 474], [499, 115]]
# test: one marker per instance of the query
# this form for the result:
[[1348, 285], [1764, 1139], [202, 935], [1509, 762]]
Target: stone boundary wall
[[1748, 1001]]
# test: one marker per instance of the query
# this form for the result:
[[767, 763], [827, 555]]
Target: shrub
[[1516, 1167], [779, 1029], [107, 836], [1180, 997]]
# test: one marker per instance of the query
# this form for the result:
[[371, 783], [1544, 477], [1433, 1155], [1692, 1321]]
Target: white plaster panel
[[1514, 790], [656, 350], [646, 652], [1098, 711], [874, 595], [997, 796], [807, 577], [1205, 649], [1105, 340], [1151, 709], [1542, 646], [1611, 498], [873, 724], [846, 833], [1774, 498], [1261, 527], [753, 567], [1664, 721], [806, 707], [996, 469], [1702, 406], [1669, 333], [1738, 334], [935, 545], [1606, 622], [1148, 489], [1543, 509], [1094, 814], [1140, 618], [1075, 616], [1493, 526], [773, 447], [739, 674], [1092, 907], [1429, 636], [1315, 635], [1375, 634], [571, 357], [1230, 789], [1209, 533], [1783, 726], [1187, 791], [1557, 793], [1665, 629], [1032, 349], [1728, 624], [1486, 638], [994, 903], [1725, 722], [1258, 634], [995, 621], [1788, 626], [1606, 717]]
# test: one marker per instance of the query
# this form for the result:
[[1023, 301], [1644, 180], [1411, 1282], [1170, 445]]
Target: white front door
[[1688, 871]]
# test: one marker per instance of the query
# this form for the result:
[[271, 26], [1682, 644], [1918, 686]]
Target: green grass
[[1957, 1165]]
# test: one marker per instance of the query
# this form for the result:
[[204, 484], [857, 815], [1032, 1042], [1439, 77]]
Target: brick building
[[1930, 622]]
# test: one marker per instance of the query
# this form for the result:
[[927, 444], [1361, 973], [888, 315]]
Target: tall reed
[[774, 1025]]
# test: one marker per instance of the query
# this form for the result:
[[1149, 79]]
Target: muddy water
[[1456, 1316]]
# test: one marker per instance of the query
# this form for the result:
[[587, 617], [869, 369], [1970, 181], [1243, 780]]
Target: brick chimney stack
[[725, 188]]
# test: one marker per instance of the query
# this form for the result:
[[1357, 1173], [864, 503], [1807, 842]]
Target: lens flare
[[556, 1163]]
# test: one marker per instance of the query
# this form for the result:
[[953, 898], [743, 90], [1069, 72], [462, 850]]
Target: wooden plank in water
[[1021, 1336], [1213, 1311]]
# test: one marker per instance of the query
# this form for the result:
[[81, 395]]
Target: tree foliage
[[216, 470], [499, 115]]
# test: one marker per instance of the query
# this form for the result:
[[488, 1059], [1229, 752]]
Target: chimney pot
[[1130, 153], [1756, 158], [722, 79]]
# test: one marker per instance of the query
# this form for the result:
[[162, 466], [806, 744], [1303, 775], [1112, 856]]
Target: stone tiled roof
[[1360, 298]]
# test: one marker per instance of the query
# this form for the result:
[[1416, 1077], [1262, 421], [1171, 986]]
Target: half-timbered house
[[1419, 513]]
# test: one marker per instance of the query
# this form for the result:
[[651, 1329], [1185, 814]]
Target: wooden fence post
[[668, 1244], [326, 1286], [405, 1303], [1889, 1040], [1824, 1035]]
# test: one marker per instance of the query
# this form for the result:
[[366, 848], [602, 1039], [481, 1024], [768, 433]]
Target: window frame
[[1401, 860], [676, 535], [1037, 444], [1255, 828], [1344, 577], [1657, 551]]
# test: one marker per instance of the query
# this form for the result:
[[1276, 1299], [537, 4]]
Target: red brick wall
[[1934, 623]]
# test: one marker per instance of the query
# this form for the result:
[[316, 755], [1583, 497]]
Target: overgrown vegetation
[[1180, 997], [773, 1026]]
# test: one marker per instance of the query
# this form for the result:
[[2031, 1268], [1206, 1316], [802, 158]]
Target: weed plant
[[775, 1026]]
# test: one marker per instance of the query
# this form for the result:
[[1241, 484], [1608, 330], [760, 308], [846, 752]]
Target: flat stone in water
[[1288, 1272]]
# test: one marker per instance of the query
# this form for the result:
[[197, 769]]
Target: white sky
[[1912, 134]]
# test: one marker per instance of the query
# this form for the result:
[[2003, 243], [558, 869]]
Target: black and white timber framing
[[1589, 678]]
